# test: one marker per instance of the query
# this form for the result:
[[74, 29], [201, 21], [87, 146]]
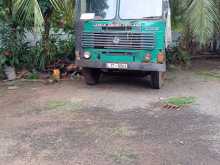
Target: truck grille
[[123, 40]]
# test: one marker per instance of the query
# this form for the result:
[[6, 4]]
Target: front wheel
[[91, 75], [157, 79]]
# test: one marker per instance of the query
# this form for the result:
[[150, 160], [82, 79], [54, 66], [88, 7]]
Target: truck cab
[[122, 35]]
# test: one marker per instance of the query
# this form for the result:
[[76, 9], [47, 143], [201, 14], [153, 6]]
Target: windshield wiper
[[150, 18]]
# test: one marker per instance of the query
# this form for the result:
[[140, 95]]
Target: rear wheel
[[157, 79], [91, 75]]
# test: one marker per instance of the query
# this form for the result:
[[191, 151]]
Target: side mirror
[[87, 16]]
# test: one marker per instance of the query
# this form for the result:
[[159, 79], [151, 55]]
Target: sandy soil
[[118, 122]]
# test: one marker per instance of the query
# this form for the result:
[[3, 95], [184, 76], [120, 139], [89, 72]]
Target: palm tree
[[35, 11], [38, 14], [200, 17]]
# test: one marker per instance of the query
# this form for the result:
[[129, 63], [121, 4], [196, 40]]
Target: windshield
[[103, 9], [140, 9]]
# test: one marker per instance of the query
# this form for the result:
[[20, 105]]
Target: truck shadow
[[126, 79]]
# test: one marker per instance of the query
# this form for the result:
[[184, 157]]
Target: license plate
[[116, 66]]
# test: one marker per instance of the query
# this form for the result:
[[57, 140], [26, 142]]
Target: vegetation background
[[53, 20]]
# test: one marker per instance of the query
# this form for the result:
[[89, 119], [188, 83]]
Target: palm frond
[[202, 16], [57, 4], [29, 11], [69, 11]]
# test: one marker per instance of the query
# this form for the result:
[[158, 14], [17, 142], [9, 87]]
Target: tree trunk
[[46, 34], [215, 43]]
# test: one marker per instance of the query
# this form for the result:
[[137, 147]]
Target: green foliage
[[177, 17], [200, 16], [64, 19], [33, 75], [2, 13], [2, 61], [40, 59], [65, 47], [58, 49], [178, 56], [209, 75], [13, 48], [1, 74], [180, 101], [19, 16], [16, 52], [34, 12]]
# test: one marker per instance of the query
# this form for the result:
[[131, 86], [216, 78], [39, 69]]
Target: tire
[[157, 79], [91, 75]]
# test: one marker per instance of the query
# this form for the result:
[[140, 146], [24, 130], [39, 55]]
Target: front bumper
[[131, 66]]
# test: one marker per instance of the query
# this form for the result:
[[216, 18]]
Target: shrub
[[57, 49], [14, 50], [178, 56]]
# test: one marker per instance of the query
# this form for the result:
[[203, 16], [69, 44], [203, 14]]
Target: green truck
[[122, 35]]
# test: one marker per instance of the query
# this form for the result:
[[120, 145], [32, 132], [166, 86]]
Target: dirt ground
[[118, 122]]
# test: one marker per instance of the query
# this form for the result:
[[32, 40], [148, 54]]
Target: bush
[[57, 49], [14, 50], [178, 56], [18, 53]]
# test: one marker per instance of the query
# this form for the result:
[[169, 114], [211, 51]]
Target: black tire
[[91, 75], [157, 79]]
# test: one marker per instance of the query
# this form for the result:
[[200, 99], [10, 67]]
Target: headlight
[[161, 58], [87, 55], [147, 58]]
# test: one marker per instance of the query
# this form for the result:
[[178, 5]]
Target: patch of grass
[[1, 93], [180, 101], [3, 90], [214, 74], [122, 131], [171, 76], [62, 105], [56, 104], [33, 76], [124, 157], [2, 76]]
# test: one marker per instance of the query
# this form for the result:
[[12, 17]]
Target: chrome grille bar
[[127, 40]]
